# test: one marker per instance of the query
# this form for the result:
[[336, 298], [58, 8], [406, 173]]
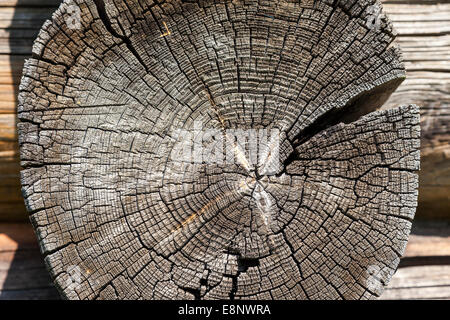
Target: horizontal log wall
[[20, 21], [424, 29], [424, 35]]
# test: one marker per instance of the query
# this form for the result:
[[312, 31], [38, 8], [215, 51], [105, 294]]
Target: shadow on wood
[[22, 271], [26, 17]]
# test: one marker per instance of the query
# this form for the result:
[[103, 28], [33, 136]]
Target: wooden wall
[[424, 29], [20, 21], [424, 35]]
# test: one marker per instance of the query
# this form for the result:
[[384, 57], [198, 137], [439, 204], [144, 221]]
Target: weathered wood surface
[[420, 283], [98, 109], [407, 283], [424, 271], [20, 21], [421, 26], [22, 271], [430, 239], [424, 28]]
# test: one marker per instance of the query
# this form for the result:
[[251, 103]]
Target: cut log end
[[138, 130]]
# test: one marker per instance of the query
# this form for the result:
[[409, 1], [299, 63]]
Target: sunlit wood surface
[[23, 274]]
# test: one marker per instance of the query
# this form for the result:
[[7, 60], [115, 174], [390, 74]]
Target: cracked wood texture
[[98, 108]]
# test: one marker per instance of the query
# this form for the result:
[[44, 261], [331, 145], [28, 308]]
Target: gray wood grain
[[98, 109]]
